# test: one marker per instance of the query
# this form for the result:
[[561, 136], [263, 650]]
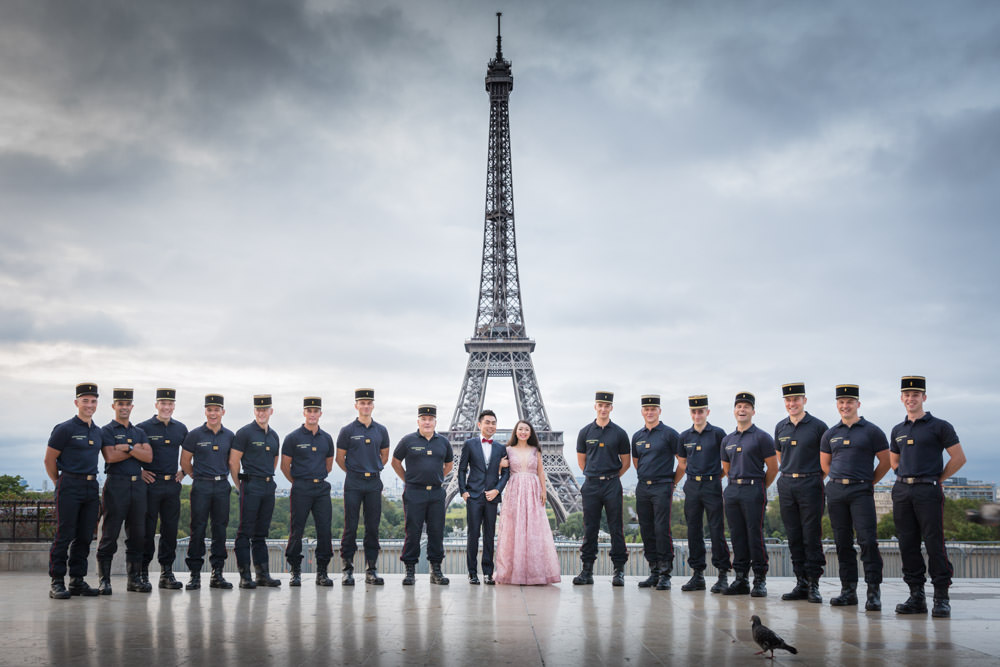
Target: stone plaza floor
[[462, 624]]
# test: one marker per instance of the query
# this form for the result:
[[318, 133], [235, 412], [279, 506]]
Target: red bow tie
[[489, 441]]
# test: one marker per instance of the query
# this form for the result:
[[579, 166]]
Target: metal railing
[[27, 520]]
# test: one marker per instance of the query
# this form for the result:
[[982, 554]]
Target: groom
[[481, 481]]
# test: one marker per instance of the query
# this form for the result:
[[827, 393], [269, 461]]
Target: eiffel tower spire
[[499, 346]]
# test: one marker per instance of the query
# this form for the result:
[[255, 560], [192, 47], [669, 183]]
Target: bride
[[526, 552]]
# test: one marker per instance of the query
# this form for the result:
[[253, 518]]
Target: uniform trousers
[[801, 502], [704, 498], [361, 494], [653, 503], [603, 495], [209, 500], [745, 505], [481, 516], [423, 506], [256, 508], [918, 511], [77, 507], [308, 497], [124, 502], [163, 503], [852, 511]]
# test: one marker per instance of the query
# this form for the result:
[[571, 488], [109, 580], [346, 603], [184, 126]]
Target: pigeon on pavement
[[767, 639]]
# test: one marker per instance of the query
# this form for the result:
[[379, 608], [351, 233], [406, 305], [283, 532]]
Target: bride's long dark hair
[[532, 437]]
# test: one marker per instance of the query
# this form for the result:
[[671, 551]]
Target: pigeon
[[767, 639]]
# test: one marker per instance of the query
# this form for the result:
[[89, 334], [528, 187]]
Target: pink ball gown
[[526, 552]]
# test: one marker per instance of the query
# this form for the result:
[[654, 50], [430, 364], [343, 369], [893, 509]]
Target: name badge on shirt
[[215, 448], [429, 452], [846, 441], [647, 445], [698, 448], [129, 441], [314, 449], [601, 445], [739, 449], [90, 442], [794, 442], [910, 441], [368, 441], [167, 441], [267, 449]]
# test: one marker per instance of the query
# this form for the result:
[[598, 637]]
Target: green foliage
[[11, 486], [886, 529]]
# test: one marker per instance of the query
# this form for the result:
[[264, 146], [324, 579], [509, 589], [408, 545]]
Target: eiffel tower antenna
[[499, 346]]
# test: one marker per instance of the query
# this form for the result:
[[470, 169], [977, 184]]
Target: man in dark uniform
[[846, 454], [71, 464], [306, 460], [255, 449], [654, 448], [163, 491], [205, 457], [603, 452], [745, 453], [428, 458], [481, 482], [701, 447], [800, 491], [916, 454], [124, 446], [362, 452]]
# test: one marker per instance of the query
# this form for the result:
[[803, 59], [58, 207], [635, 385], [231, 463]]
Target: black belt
[[161, 477], [800, 475], [76, 475], [669, 480], [603, 477], [703, 478], [313, 480], [131, 478], [250, 478], [919, 480], [366, 475], [210, 478], [425, 487], [748, 481], [842, 480]]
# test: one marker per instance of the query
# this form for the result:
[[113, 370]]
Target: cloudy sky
[[286, 196]]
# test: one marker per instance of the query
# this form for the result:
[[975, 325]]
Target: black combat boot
[[371, 574], [848, 595], [437, 577], [57, 589], [722, 584], [759, 586], [167, 579], [104, 577], [246, 581], [814, 595], [942, 604], [134, 581], [800, 592], [296, 579], [264, 577], [194, 583], [410, 577], [664, 582], [695, 583], [740, 586], [874, 601], [916, 603], [77, 586], [144, 575], [321, 577], [348, 572], [654, 576], [586, 576], [218, 581], [618, 578]]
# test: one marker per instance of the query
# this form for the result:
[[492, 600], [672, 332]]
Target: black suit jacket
[[476, 475]]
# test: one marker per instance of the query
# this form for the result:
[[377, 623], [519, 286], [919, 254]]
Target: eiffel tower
[[499, 346]]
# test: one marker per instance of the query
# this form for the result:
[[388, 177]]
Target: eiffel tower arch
[[499, 346]]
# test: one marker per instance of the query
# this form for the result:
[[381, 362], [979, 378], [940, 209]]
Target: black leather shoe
[[740, 585], [167, 579], [264, 577], [722, 583], [194, 583], [586, 576], [848, 595], [473, 579], [104, 577], [695, 583], [618, 578], [321, 577], [654, 576], [348, 576], [77, 586], [410, 578], [133, 582], [874, 601], [296, 579], [814, 595], [759, 589], [371, 576], [218, 581], [663, 584], [57, 589], [144, 577], [800, 592], [916, 603], [942, 603], [437, 577], [488, 580], [246, 581]]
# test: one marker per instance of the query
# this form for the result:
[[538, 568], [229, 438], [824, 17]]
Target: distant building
[[883, 500], [966, 489]]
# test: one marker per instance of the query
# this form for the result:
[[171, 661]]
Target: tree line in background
[[957, 527]]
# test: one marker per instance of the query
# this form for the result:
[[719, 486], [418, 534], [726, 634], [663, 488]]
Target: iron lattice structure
[[499, 346]]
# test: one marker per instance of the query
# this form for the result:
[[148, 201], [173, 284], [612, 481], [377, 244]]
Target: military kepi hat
[[364, 394], [604, 397], [848, 391], [650, 399], [122, 394], [427, 409], [312, 402], [166, 394], [214, 399], [913, 383], [793, 389], [699, 401], [86, 389], [262, 400], [746, 397]]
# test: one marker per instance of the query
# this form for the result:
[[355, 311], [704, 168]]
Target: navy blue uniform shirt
[[853, 449], [165, 441], [799, 444], [921, 444], [702, 450], [363, 445], [113, 434], [260, 449], [78, 445], [309, 452], [603, 447], [210, 450], [424, 459], [746, 452], [655, 451]]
